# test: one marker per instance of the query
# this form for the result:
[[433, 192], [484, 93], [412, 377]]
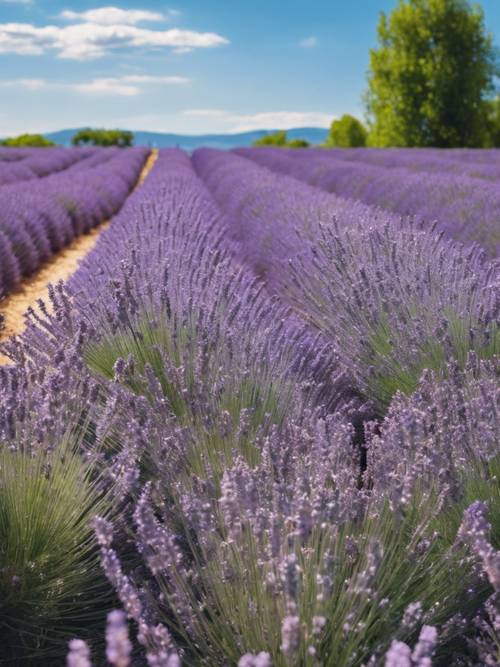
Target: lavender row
[[466, 209], [393, 297], [467, 157], [415, 160], [43, 162], [40, 218], [164, 259], [236, 524]]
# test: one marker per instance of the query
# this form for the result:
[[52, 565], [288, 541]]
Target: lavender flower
[[79, 654], [118, 646]]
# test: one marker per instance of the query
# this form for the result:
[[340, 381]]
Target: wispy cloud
[[99, 32], [124, 86], [308, 42], [28, 84], [268, 120], [113, 16], [16, 2]]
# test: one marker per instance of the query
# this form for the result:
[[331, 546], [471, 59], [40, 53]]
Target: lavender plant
[[244, 530]]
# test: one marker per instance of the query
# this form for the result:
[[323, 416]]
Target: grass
[[51, 586]]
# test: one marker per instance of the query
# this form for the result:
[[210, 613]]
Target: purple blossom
[[118, 646], [261, 659], [79, 654]]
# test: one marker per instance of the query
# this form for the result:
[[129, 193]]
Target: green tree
[[431, 75], [32, 140], [275, 139], [121, 138], [297, 143], [347, 132], [280, 139]]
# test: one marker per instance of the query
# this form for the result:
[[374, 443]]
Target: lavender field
[[259, 426]]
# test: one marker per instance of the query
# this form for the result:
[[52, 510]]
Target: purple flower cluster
[[466, 209], [38, 220], [293, 400], [37, 163], [449, 162]]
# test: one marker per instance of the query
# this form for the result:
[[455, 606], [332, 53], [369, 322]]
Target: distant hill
[[314, 135]]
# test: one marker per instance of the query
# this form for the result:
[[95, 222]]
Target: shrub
[[280, 139], [32, 140], [121, 138], [347, 132]]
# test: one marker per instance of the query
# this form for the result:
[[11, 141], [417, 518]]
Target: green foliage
[[430, 75], [121, 138], [280, 139], [276, 139], [493, 138], [51, 586], [347, 132], [297, 143], [28, 140]]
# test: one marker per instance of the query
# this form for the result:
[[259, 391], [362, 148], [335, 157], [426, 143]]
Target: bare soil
[[59, 267]]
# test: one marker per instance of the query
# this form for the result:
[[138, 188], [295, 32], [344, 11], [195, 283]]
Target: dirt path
[[59, 267]]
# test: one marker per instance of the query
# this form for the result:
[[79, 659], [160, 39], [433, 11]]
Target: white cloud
[[208, 113], [308, 42], [124, 86], [28, 84], [16, 2], [270, 120], [113, 16], [86, 41]]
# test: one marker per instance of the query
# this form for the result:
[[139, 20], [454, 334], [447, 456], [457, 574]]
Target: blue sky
[[192, 66]]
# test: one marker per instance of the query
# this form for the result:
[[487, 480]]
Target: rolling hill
[[314, 135]]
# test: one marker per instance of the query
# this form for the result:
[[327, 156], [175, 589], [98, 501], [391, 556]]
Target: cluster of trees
[[28, 140], [95, 137], [280, 139]]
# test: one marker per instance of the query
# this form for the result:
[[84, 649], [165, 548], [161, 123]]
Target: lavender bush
[[466, 209]]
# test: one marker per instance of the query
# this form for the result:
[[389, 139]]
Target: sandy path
[[59, 267]]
